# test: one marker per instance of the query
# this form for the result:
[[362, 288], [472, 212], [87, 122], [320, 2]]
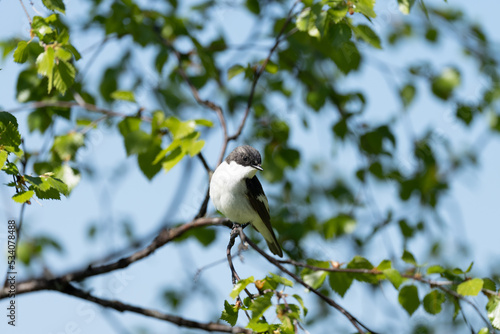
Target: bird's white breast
[[228, 191]]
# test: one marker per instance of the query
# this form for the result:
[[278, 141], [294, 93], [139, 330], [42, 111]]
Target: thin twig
[[258, 75], [26, 12]]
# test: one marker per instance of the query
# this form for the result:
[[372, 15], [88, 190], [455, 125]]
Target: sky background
[[123, 194]]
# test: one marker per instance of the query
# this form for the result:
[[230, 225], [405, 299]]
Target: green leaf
[[240, 286], [368, 35], [146, 161], [489, 284], [23, 196], [306, 21], [340, 282], [366, 7], [408, 298], [21, 53], [39, 120], [394, 277], [70, 176], [315, 278], [435, 269], [407, 93], [433, 302], [45, 65], [123, 95], [258, 326], [178, 128], [253, 6], [204, 122], [230, 313], [173, 158], [234, 71], [346, 57], [339, 225], [405, 6], [280, 280], [129, 124], [359, 262], [444, 84], [301, 302], [3, 157], [260, 305], [471, 287], [66, 146], [408, 258], [137, 142], [55, 5], [493, 309], [64, 75]]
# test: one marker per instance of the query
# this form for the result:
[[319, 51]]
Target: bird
[[237, 193]]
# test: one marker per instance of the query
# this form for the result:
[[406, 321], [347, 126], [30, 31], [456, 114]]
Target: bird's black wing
[[258, 201]]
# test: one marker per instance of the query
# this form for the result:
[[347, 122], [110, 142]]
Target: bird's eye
[[245, 159]]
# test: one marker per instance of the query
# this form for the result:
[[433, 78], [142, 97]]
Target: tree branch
[[165, 236], [122, 307]]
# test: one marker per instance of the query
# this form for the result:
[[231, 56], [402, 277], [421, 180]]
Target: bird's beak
[[258, 167]]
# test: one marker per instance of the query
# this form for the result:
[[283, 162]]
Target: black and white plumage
[[237, 193]]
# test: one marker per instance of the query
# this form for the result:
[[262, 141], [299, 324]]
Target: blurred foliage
[[323, 43]]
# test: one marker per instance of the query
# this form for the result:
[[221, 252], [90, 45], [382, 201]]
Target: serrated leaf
[[45, 65], [340, 282], [258, 326], [433, 302], [493, 309], [57, 184], [23, 196], [408, 298], [260, 305], [64, 75], [230, 313], [306, 21], [394, 277], [21, 53], [240, 286], [471, 287], [55, 5], [123, 95], [234, 71], [50, 193]]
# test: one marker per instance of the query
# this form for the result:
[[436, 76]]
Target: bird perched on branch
[[237, 193]]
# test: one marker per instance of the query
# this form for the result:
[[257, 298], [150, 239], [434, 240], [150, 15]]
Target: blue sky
[[471, 206]]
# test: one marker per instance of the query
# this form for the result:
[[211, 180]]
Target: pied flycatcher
[[237, 193]]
